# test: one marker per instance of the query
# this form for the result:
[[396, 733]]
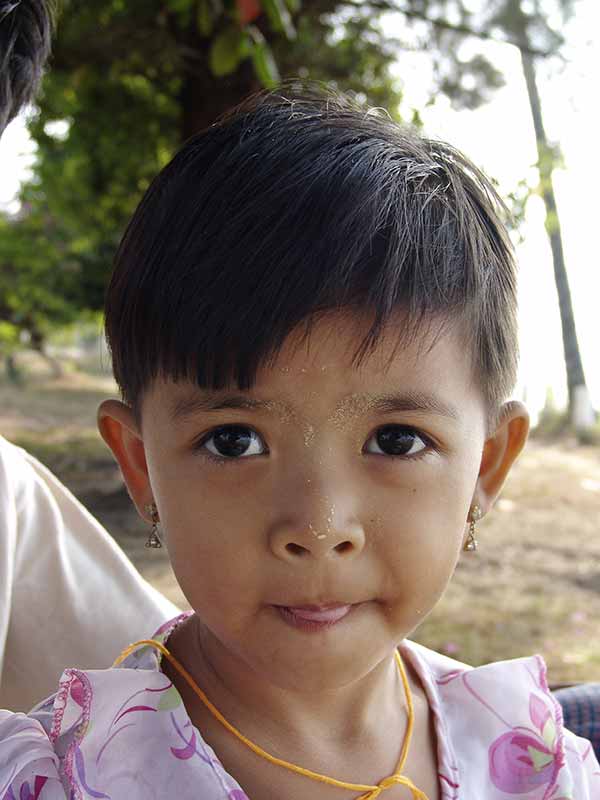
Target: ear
[[500, 451], [120, 431]]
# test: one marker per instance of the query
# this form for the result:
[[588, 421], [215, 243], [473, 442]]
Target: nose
[[331, 531]]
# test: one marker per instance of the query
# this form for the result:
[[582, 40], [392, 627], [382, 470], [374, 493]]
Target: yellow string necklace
[[369, 792]]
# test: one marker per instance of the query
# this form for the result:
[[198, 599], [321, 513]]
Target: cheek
[[214, 546], [420, 531]]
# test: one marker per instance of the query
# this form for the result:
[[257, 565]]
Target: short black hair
[[25, 38], [297, 203]]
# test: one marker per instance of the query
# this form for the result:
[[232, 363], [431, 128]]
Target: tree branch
[[465, 30]]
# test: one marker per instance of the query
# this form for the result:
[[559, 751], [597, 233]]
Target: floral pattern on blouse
[[124, 734]]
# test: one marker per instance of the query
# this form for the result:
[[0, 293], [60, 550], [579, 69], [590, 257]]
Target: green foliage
[[279, 17], [227, 50], [264, 62], [553, 422], [9, 336], [36, 286], [550, 158], [205, 18], [517, 205]]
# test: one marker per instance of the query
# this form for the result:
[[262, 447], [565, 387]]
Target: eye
[[397, 440], [232, 442]]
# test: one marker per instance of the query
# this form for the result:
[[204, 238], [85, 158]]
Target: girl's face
[[315, 521]]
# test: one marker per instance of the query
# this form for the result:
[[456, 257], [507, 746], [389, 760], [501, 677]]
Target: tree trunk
[[203, 97], [580, 410], [38, 343], [13, 373]]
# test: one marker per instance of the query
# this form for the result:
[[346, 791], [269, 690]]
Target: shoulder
[[59, 743], [15, 461], [76, 740], [50, 746], [14, 467], [506, 728], [26, 486]]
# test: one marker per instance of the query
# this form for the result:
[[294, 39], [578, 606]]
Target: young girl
[[312, 323]]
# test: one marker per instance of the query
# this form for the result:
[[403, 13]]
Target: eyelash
[[223, 461]]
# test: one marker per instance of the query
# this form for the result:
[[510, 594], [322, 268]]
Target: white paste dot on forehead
[[282, 410]]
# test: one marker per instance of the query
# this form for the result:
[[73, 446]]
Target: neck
[[355, 712]]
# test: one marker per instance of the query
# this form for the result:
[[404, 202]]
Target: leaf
[[170, 700], [226, 52], [263, 60], [180, 5], [538, 712], [539, 759], [183, 9], [549, 733], [204, 18], [186, 752], [279, 17]]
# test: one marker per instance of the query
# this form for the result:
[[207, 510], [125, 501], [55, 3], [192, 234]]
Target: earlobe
[[120, 431], [500, 450]]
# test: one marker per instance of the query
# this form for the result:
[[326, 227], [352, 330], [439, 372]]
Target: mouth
[[315, 617]]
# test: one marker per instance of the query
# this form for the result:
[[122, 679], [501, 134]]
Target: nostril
[[296, 549], [343, 547]]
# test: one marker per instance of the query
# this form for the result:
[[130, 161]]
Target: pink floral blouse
[[124, 734]]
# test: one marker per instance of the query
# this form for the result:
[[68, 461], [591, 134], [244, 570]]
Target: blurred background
[[513, 83]]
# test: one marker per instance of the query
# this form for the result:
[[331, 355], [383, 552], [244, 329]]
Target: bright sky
[[499, 137]]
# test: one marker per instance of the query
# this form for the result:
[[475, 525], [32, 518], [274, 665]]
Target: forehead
[[333, 340], [430, 372]]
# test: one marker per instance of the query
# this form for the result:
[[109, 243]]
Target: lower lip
[[313, 619]]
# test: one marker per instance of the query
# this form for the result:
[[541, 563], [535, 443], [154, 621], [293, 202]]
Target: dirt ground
[[533, 586]]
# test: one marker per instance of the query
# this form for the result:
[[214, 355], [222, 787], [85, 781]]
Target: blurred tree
[[580, 407], [36, 289]]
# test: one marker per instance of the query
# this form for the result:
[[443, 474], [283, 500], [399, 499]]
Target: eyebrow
[[197, 404], [419, 402]]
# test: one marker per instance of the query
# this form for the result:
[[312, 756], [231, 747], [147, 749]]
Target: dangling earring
[[153, 540], [474, 516]]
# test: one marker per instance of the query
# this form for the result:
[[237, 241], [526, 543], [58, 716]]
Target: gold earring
[[474, 516], [153, 540]]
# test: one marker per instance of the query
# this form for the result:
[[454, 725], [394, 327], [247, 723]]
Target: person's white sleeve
[[68, 594]]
